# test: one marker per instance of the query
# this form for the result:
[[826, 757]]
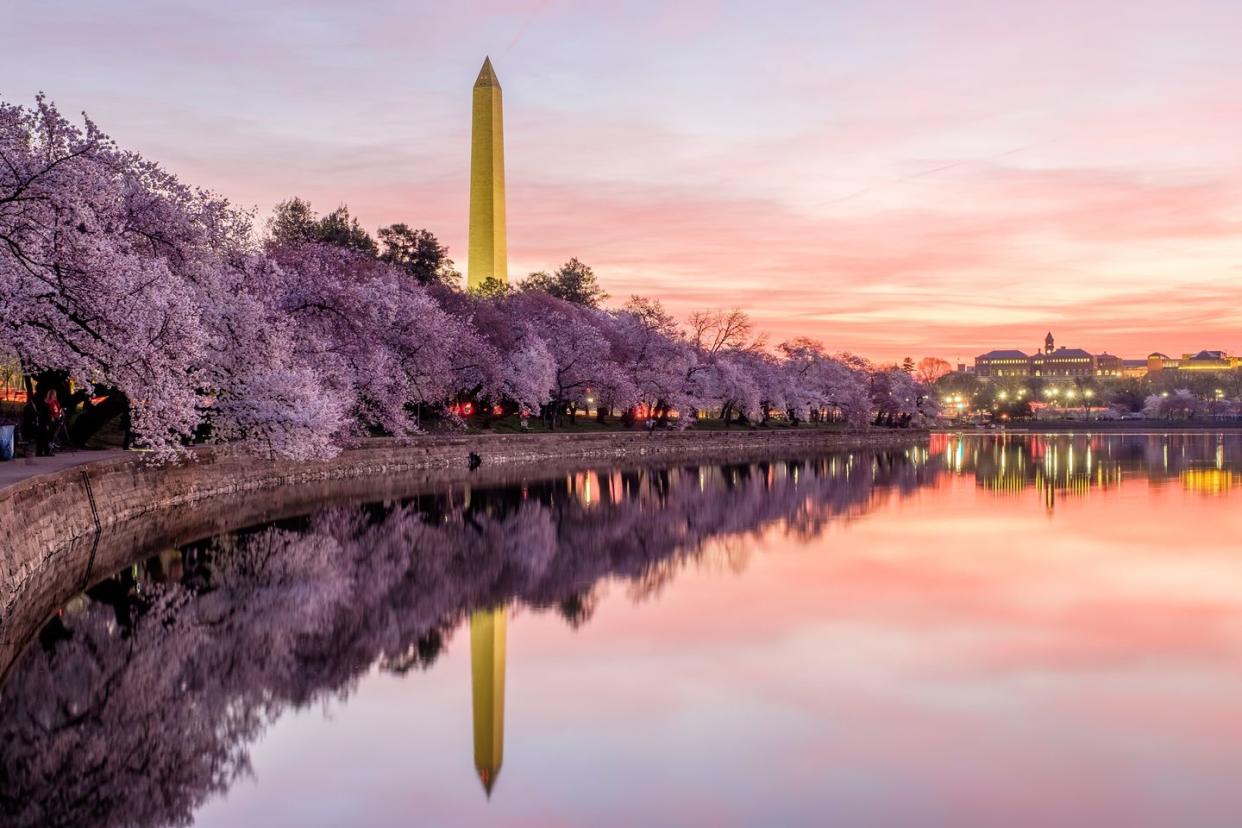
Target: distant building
[[1209, 361], [1051, 362], [1159, 362], [1002, 364], [1107, 365], [1064, 363], [1203, 361]]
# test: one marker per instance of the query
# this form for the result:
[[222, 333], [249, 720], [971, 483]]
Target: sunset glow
[[895, 178]]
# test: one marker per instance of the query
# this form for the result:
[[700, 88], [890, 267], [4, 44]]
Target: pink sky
[[894, 178]]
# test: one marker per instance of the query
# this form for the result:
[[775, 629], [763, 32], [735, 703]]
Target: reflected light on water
[[1018, 630]]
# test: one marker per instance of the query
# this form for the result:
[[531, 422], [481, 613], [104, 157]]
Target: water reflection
[[148, 688], [142, 698], [1075, 465], [487, 691]]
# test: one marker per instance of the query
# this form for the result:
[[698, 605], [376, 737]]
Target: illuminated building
[[1063, 363], [1159, 362], [1003, 364], [1051, 362], [1203, 361], [487, 679], [489, 252], [1107, 365]]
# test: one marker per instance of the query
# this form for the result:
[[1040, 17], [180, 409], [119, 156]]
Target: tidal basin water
[[973, 631]]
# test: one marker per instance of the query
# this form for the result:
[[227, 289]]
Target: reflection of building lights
[[1208, 481]]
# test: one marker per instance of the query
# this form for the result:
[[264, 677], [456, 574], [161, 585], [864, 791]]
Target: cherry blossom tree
[[1180, 404], [99, 256], [378, 338], [899, 398], [156, 297], [649, 344], [819, 385]]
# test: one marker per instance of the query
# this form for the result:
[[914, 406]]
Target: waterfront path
[[21, 468]]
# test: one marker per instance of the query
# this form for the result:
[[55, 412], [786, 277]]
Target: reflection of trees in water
[[140, 699]]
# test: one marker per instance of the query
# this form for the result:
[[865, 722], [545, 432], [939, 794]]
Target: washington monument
[[489, 252]]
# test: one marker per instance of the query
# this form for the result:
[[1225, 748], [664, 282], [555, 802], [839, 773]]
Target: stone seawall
[[60, 531]]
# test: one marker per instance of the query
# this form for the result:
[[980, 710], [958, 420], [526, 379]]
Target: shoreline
[[59, 532], [1111, 426]]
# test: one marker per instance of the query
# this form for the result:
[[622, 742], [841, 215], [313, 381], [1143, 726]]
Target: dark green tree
[[492, 288], [294, 221], [343, 230], [573, 282], [419, 253]]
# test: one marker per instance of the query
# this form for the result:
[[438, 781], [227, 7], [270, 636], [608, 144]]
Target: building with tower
[[1053, 363], [1048, 362]]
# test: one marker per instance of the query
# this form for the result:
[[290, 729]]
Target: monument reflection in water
[[982, 631]]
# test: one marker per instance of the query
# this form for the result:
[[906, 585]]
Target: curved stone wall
[[62, 531]]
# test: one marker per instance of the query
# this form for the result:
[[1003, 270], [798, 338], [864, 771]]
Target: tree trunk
[[95, 417]]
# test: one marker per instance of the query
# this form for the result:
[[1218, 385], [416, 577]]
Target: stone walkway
[[20, 468]]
